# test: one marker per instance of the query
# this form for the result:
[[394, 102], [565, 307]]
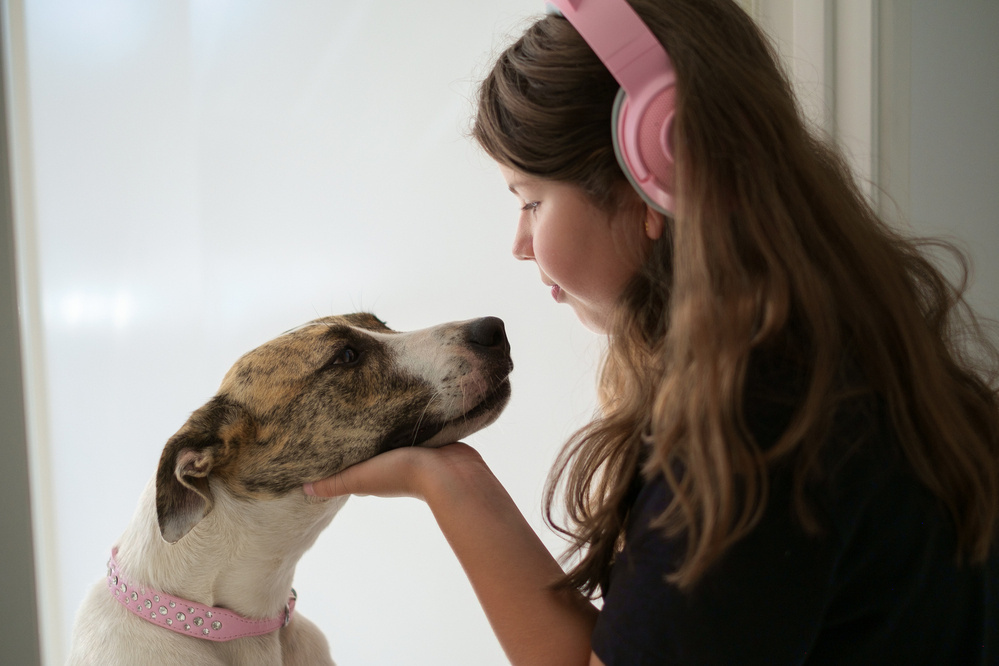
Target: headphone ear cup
[[643, 143]]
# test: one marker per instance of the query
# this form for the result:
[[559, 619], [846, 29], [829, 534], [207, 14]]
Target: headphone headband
[[620, 39]]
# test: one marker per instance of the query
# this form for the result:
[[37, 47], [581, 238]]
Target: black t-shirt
[[880, 585]]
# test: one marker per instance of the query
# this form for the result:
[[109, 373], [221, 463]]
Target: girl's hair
[[773, 250]]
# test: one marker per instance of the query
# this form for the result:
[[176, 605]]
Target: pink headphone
[[643, 110]]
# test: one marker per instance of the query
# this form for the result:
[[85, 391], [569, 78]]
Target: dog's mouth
[[438, 433]]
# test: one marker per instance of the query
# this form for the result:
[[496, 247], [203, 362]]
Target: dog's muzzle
[[486, 338]]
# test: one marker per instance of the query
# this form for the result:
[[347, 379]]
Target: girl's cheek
[[545, 252], [559, 263]]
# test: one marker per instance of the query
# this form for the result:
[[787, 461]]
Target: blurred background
[[188, 179]]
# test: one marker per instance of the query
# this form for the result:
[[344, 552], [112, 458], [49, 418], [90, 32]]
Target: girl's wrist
[[453, 475]]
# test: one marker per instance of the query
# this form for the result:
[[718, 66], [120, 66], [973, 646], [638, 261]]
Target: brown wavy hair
[[772, 247]]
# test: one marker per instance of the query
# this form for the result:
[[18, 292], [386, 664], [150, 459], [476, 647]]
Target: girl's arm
[[509, 567]]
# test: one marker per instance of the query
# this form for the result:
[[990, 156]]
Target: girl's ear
[[654, 223]]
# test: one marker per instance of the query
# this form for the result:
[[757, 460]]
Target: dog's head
[[324, 396]]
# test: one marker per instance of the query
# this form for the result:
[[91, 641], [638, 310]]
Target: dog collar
[[186, 617]]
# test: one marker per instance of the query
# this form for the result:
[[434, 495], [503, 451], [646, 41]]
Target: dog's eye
[[347, 356]]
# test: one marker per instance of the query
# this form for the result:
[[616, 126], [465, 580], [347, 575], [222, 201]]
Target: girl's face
[[585, 254]]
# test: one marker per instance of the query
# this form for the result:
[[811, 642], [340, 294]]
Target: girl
[[796, 457]]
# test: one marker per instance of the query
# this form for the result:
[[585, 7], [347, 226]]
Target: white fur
[[241, 556]]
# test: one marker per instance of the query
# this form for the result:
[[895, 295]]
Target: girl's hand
[[509, 567], [406, 472]]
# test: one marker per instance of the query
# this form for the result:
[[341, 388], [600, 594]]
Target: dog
[[212, 548]]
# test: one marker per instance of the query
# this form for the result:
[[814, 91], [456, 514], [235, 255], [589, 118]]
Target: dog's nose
[[489, 333]]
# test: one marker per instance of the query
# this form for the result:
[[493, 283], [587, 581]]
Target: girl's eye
[[531, 205], [347, 356]]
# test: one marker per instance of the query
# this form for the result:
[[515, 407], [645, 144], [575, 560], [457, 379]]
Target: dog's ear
[[183, 496]]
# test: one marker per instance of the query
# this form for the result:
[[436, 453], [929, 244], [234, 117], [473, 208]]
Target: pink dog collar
[[186, 617]]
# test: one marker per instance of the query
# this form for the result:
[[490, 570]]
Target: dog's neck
[[241, 556]]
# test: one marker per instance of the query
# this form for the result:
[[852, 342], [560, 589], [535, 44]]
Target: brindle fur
[[286, 413], [299, 408]]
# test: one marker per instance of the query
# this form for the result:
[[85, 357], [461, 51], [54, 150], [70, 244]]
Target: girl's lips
[[556, 291]]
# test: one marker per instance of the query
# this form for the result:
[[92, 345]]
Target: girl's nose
[[522, 243]]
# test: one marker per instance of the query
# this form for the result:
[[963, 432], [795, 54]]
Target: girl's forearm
[[511, 571]]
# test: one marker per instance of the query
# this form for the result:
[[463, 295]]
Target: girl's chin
[[592, 321]]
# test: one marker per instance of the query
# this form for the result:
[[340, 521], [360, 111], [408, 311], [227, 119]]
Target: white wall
[[953, 184], [197, 177], [908, 89], [192, 178]]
